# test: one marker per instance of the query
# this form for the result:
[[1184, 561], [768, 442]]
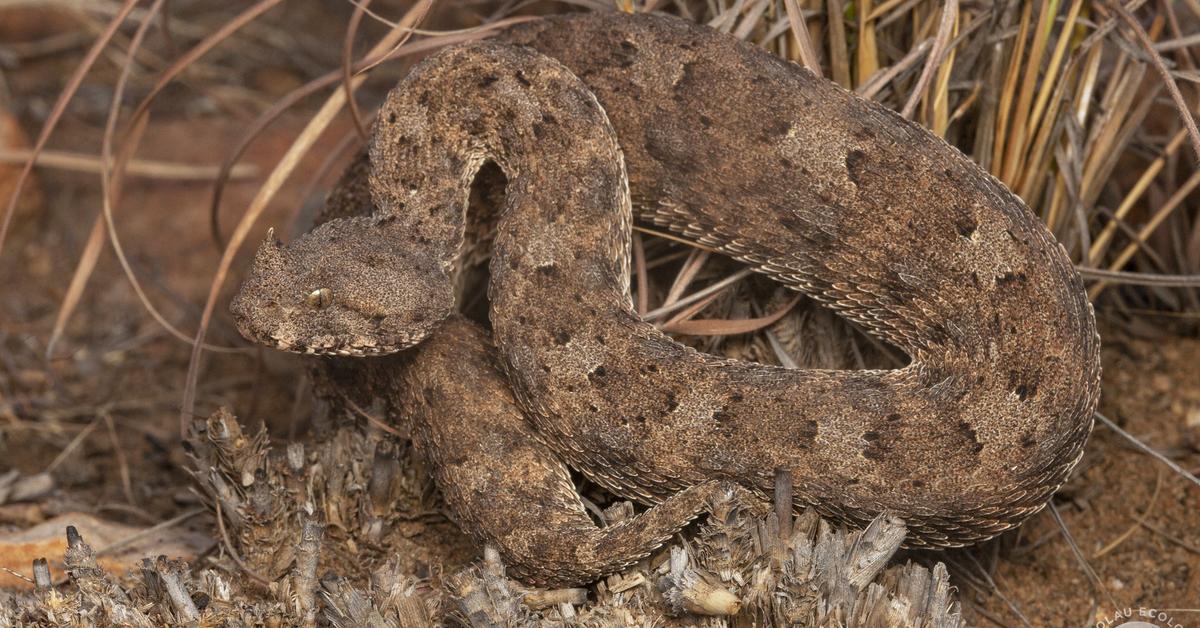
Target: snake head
[[346, 288]]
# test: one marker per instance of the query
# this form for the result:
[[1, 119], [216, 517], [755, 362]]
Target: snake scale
[[734, 148]]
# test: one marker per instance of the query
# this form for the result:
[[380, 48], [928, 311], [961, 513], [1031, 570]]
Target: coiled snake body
[[728, 145]]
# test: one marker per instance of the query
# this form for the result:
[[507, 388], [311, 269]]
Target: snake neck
[[567, 209]]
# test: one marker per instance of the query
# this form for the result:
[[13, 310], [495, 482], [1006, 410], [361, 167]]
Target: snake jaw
[[367, 348], [332, 346]]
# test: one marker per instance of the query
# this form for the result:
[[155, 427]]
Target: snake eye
[[319, 298]]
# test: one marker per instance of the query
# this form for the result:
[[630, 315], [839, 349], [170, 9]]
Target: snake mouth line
[[362, 352], [333, 348], [336, 349]]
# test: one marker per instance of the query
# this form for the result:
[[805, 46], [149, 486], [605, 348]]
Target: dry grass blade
[[691, 311], [145, 168], [1050, 79], [1191, 547], [372, 419], [937, 107], [1004, 107], [152, 530], [872, 87], [839, 50], [1046, 122], [718, 327], [887, 7], [56, 113], [447, 37], [673, 238], [867, 55], [1144, 233], [687, 274], [410, 20], [1178, 43], [1141, 279], [472, 30], [808, 53], [1137, 521], [1100, 245], [122, 463], [724, 20], [987, 577], [1019, 132], [1185, 113], [1125, 110], [79, 279], [73, 445], [643, 278], [1154, 453], [347, 61], [781, 353], [940, 46], [750, 20], [1093, 579], [697, 296], [1185, 55]]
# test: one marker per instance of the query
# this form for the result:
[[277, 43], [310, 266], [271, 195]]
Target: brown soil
[[1135, 521]]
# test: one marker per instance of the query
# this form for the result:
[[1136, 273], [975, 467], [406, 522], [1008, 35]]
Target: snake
[[500, 483], [591, 117]]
